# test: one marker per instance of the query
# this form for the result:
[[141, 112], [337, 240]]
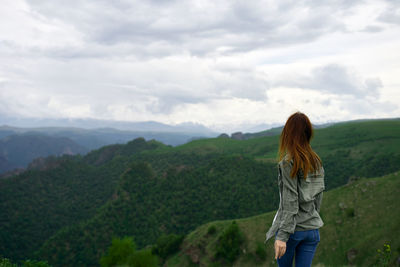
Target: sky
[[228, 65]]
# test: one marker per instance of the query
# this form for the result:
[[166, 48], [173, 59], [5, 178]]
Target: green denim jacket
[[300, 202]]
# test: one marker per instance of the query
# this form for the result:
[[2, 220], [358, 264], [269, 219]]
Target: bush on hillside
[[260, 251], [6, 263], [123, 252], [167, 245], [211, 230], [228, 245], [143, 258], [350, 212], [119, 252]]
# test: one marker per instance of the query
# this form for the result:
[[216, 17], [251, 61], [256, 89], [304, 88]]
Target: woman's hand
[[280, 249]]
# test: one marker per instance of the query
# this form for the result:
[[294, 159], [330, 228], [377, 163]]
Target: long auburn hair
[[295, 143]]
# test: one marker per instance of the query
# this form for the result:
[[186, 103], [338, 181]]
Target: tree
[[228, 246], [122, 252], [119, 252]]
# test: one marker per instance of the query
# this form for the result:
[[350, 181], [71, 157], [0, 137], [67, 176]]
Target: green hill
[[359, 219], [58, 192], [67, 209], [146, 205]]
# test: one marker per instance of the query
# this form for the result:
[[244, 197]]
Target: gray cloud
[[153, 29], [366, 107], [373, 29], [391, 13], [335, 79], [220, 82], [177, 26]]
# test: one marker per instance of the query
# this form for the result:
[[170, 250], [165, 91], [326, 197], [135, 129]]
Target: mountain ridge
[[17, 151], [88, 124]]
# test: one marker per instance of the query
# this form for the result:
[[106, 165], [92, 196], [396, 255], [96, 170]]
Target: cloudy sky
[[225, 64]]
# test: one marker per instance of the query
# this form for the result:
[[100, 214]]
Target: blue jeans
[[301, 245]]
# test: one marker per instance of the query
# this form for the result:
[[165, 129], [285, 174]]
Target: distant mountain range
[[17, 151], [95, 138], [19, 146], [24, 141], [144, 126]]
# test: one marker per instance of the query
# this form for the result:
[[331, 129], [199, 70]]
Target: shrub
[[167, 245], [214, 264], [119, 252], [350, 212], [228, 245], [122, 252], [384, 255], [260, 251], [6, 263], [143, 258], [211, 230]]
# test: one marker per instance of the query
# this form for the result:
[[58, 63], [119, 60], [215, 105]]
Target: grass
[[359, 218], [358, 137]]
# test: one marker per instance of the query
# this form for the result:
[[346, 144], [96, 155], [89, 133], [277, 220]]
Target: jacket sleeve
[[290, 202], [318, 201]]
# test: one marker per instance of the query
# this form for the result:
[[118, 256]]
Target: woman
[[301, 182]]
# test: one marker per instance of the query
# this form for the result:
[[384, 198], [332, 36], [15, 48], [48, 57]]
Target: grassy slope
[[357, 137], [355, 131], [363, 148], [375, 222]]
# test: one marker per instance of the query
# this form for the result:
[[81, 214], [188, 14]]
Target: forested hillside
[[60, 192], [146, 205], [73, 206]]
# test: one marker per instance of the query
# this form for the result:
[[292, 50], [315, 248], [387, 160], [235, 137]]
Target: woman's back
[[310, 191], [300, 201], [301, 185]]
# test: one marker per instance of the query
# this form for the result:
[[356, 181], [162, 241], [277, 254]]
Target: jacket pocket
[[311, 186]]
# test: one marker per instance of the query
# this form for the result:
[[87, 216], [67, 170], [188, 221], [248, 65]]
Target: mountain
[[67, 209], [143, 126], [17, 151], [258, 131], [359, 218], [96, 138]]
